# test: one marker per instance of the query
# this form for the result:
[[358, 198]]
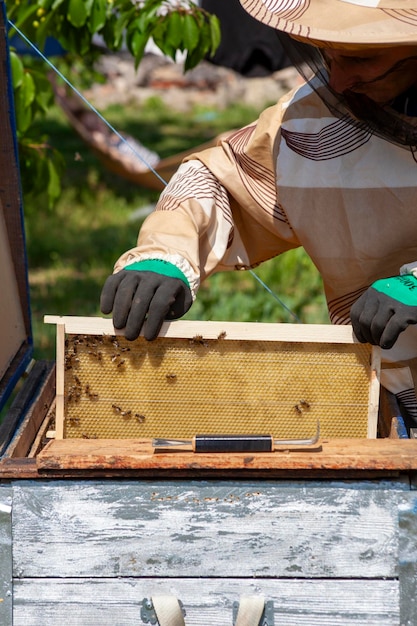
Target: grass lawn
[[72, 247]]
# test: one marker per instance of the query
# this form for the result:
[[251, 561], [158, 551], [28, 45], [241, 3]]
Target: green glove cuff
[[159, 266], [400, 288]]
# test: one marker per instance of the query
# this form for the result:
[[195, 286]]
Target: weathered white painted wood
[[207, 602], [408, 561], [206, 529], [6, 583], [211, 330]]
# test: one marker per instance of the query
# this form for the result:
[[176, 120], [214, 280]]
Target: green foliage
[[41, 165], [184, 27]]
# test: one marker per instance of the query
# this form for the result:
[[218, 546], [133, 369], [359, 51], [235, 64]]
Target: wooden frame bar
[[308, 333]]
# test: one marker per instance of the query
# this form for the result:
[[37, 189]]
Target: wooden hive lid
[[15, 329]]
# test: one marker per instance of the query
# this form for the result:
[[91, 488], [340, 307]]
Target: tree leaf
[[174, 29], [17, 69], [215, 32], [115, 37], [23, 113], [44, 94], [55, 4], [137, 43], [77, 12], [27, 89], [54, 182], [193, 58], [98, 16], [191, 32]]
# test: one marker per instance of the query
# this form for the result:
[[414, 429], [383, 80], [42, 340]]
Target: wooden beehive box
[[91, 529]]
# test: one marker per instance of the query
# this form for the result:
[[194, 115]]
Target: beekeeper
[[332, 167]]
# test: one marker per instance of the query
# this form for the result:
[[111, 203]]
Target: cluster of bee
[[92, 395], [301, 406], [75, 390], [71, 357], [94, 348], [127, 414], [119, 349], [198, 340]]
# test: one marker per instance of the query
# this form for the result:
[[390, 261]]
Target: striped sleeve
[[220, 211]]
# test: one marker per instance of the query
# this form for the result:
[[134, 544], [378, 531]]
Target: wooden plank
[[408, 560], [42, 378], [27, 410], [41, 436], [261, 529], [211, 330], [6, 583], [137, 454], [207, 602]]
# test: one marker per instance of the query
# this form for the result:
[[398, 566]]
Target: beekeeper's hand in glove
[[145, 298], [386, 308]]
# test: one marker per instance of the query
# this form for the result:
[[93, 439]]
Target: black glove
[[134, 296], [385, 310]]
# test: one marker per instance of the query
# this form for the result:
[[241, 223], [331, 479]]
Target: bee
[[87, 436], [171, 376], [90, 394], [77, 380], [298, 409], [121, 363], [221, 336], [126, 413], [139, 418], [304, 404], [116, 408], [198, 340], [114, 357], [74, 421]]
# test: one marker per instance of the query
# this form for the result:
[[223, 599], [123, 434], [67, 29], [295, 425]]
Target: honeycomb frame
[[214, 378]]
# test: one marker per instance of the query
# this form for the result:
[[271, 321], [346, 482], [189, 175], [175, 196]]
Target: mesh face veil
[[395, 121]]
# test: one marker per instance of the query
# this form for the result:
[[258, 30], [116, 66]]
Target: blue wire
[[140, 157], [274, 295]]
